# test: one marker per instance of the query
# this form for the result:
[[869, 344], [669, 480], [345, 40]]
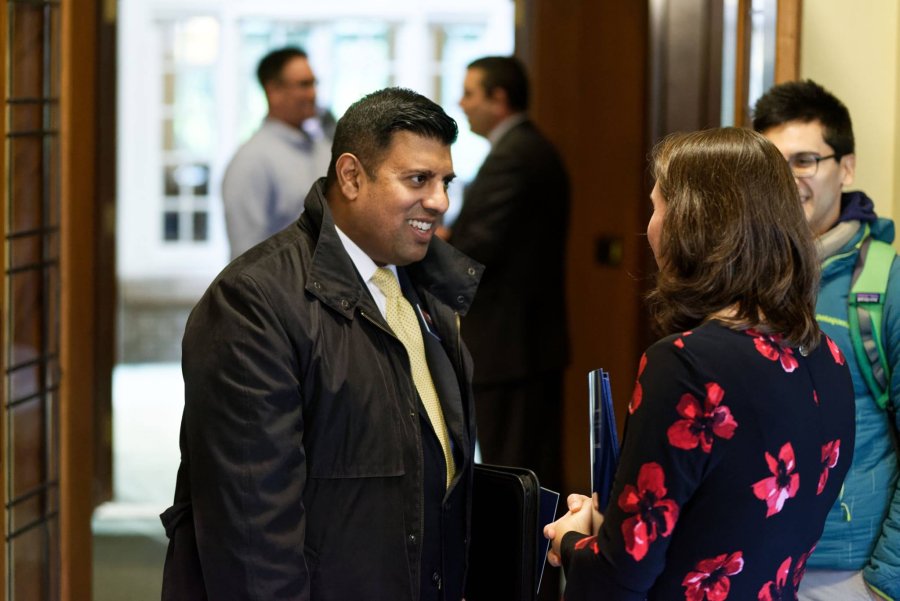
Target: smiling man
[[265, 181], [858, 557], [328, 430]]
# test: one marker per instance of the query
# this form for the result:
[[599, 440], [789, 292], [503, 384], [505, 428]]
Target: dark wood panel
[[30, 314], [4, 310], [588, 65]]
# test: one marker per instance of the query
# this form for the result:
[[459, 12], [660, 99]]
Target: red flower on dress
[[702, 423], [590, 542], [638, 395], [782, 484], [774, 590], [710, 578], [655, 515], [830, 453], [770, 347], [835, 351], [800, 568], [679, 342]]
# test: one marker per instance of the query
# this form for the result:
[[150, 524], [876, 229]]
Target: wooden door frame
[[72, 34], [4, 308], [78, 319], [787, 40], [105, 289], [787, 51]]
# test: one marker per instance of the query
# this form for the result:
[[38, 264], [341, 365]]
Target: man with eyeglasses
[[858, 556], [266, 182]]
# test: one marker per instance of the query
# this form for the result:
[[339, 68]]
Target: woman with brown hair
[[740, 428]]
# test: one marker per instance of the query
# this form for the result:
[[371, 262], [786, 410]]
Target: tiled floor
[[129, 542], [128, 567]]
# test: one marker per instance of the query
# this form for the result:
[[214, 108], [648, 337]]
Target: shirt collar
[[294, 135], [445, 272], [366, 268], [504, 126], [363, 263]]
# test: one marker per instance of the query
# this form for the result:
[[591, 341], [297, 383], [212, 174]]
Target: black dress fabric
[[735, 448]]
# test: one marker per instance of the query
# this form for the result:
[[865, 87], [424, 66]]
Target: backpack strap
[[865, 312]]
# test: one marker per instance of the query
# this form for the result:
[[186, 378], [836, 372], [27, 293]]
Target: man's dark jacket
[[302, 470], [514, 221]]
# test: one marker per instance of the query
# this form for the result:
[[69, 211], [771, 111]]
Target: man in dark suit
[[514, 221], [326, 446]]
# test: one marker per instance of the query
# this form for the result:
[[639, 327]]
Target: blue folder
[[604, 438]]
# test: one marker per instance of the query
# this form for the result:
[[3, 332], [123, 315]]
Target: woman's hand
[[582, 517]]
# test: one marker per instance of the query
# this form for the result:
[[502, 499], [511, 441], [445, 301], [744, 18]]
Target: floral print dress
[[735, 448]]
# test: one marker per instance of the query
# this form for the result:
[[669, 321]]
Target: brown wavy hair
[[733, 236]]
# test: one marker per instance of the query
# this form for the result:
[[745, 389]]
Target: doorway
[[187, 98]]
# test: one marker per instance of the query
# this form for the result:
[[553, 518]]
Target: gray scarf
[[836, 238]]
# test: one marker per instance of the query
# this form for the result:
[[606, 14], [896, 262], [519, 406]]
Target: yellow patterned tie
[[402, 319]]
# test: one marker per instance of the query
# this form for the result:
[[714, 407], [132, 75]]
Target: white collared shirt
[[504, 126], [366, 268], [266, 182]]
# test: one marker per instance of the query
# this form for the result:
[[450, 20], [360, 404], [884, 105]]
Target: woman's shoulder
[[710, 336], [716, 348]]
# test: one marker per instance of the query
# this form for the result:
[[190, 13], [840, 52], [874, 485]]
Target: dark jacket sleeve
[[586, 579], [243, 428]]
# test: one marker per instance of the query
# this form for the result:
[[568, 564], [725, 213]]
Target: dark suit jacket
[[303, 470], [514, 221]]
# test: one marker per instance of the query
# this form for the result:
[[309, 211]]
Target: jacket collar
[[857, 221], [502, 128], [445, 272]]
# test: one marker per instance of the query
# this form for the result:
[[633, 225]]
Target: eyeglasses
[[806, 165]]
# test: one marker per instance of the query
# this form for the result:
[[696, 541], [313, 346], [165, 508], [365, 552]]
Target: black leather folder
[[504, 546]]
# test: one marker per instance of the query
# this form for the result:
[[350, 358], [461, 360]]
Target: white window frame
[[142, 253]]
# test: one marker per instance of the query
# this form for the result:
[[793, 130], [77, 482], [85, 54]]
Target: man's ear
[[349, 173], [848, 169], [272, 90], [500, 98]]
